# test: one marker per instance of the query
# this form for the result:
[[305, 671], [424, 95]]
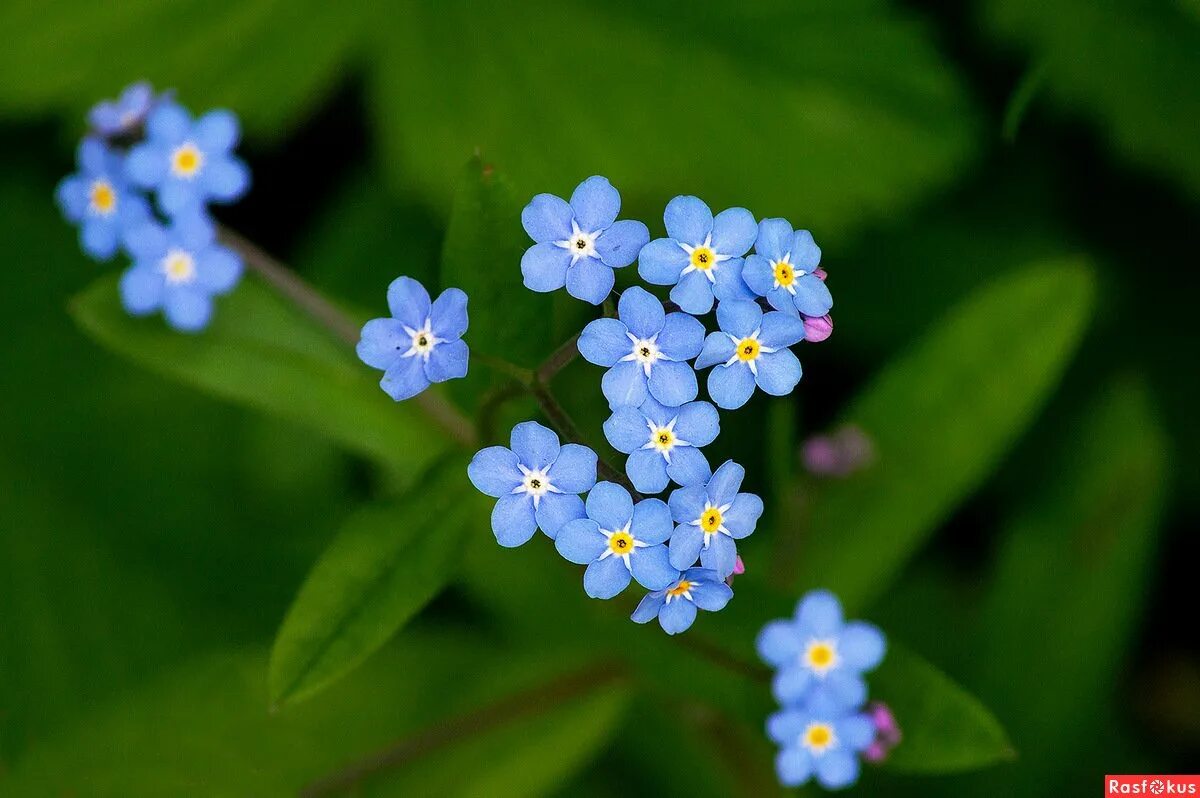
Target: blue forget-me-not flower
[[675, 606], [783, 270], [112, 118], [822, 738], [536, 482], [702, 256], [663, 443], [579, 243], [422, 342], [646, 350], [751, 349], [710, 518], [619, 541], [98, 199]]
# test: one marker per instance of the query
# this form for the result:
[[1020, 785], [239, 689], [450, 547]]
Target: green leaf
[[262, 353], [941, 416], [386, 563], [945, 728]]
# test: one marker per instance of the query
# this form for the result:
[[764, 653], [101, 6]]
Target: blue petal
[[778, 642], [792, 683], [142, 290], [605, 578], [536, 446], [624, 385], [819, 614], [610, 506], [641, 311], [218, 269], [447, 361], [682, 336], [177, 197], [847, 689], [187, 309], [544, 267], [71, 196], [98, 237], [648, 608], [557, 509], [225, 179], [194, 230], [693, 293], [836, 768], [405, 378], [217, 131], [730, 285], [672, 383], [168, 122], [595, 203], [620, 244], [743, 515], [92, 157], [626, 429], [687, 504], [688, 466], [658, 413], [758, 275], [774, 238], [781, 329], [408, 301], [493, 471], [856, 732], [661, 261], [652, 568], [651, 523], [710, 593], [778, 372], [861, 646], [734, 232], [448, 314], [647, 471], [720, 556], [513, 521], [575, 469], [146, 165], [678, 616], [580, 541], [382, 342], [805, 252], [699, 423], [686, 542], [740, 318], [547, 218], [782, 301], [688, 220], [725, 483], [604, 342], [786, 726], [812, 296], [793, 766], [730, 386], [717, 349], [590, 279]]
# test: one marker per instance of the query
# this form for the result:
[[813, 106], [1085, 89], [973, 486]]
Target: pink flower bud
[[817, 328]]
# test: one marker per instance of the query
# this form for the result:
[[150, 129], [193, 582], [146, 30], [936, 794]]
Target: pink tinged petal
[[817, 329]]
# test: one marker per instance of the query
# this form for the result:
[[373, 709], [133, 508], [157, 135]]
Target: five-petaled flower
[[646, 350], [98, 199], [710, 518], [536, 483], [122, 116], [702, 256], [663, 443], [821, 738], [177, 269], [675, 606], [817, 653], [579, 243], [618, 541], [751, 349], [421, 343], [783, 269], [189, 163]]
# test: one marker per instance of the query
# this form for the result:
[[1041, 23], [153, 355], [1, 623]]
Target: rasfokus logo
[[1151, 785]]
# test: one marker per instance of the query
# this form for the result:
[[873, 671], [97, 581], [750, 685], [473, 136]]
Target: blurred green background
[[1006, 195]]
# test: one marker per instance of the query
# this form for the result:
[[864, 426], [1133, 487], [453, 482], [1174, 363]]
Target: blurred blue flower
[[98, 199], [646, 349], [177, 269], [822, 739], [189, 163], [702, 256], [617, 541], [751, 349], [710, 518], [579, 243], [537, 482], [675, 606], [421, 343], [663, 443], [783, 270], [112, 118], [818, 654]]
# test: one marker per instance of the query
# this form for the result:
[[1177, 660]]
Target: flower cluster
[[143, 147], [824, 725]]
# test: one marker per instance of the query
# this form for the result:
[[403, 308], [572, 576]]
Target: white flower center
[[712, 521], [786, 274], [423, 341], [644, 351], [663, 438], [820, 656], [682, 589], [747, 350], [581, 243], [536, 482], [178, 267], [621, 543], [818, 738], [702, 258]]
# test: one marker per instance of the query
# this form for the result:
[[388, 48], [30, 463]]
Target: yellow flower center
[[710, 521], [103, 197], [621, 543], [821, 655], [818, 737], [748, 349], [784, 274], [679, 589], [186, 160], [663, 438], [178, 266], [703, 258]]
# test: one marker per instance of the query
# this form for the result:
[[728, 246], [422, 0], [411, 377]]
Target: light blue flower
[[783, 270], [646, 350], [189, 163], [98, 199], [537, 482], [710, 518], [663, 443], [817, 653], [702, 256], [821, 739], [618, 541], [421, 343], [579, 243], [751, 349], [119, 117], [178, 270], [675, 606]]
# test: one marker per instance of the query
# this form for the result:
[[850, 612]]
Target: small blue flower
[[579, 243], [618, 541], [821, 738], [537, 482], [751, 349], [783, 270], [98, 199], [112, 118], [646, 349], [702, 257], [421, 343], [817, 653], [189, 163], [177, 269], [663, 443], [710, 518], [675, 607]]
